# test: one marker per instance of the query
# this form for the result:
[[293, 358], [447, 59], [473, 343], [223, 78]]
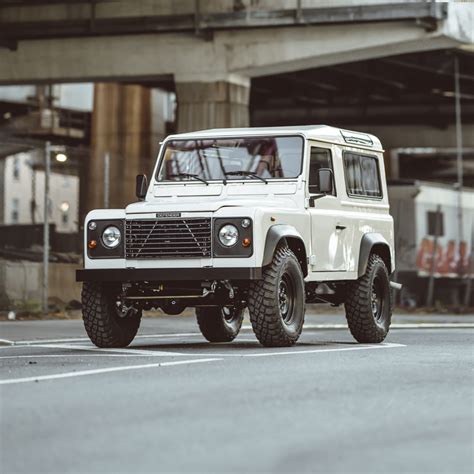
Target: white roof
[[314, 132]]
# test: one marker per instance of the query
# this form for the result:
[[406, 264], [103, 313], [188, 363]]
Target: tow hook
[[230, 288]]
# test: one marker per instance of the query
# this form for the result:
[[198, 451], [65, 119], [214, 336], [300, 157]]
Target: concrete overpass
[[241, 62], [212, 52]]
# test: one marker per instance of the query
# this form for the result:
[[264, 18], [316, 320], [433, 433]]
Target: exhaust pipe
[[395, 285]]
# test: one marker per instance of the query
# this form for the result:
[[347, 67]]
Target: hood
[[198, 204]]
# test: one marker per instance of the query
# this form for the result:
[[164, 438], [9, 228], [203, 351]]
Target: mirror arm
[[314, 198]]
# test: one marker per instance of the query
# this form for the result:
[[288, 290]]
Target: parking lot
[[173, 402]]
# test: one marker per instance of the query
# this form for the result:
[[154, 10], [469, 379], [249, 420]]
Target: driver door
[[326, 214]]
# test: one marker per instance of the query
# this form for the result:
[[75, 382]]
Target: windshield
[[259, 158]]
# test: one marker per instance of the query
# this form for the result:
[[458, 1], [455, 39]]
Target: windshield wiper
[[246, 173], [188, 175]]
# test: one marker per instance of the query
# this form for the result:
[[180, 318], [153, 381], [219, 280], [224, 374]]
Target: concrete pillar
[[216, 104], [120, 127]]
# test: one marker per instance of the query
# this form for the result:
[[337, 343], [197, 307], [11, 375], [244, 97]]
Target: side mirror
[[141, 186], [325, 180]]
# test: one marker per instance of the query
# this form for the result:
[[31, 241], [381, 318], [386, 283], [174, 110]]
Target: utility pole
[[106, 180], [47, 172], [48, 149], [459, 168], [434, 254]]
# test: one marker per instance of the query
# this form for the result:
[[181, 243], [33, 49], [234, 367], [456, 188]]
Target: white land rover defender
[[267, 219]]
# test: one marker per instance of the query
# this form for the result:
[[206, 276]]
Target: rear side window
[[362, 175], [319, 158]]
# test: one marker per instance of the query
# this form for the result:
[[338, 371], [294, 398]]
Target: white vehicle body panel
[[333, 254]]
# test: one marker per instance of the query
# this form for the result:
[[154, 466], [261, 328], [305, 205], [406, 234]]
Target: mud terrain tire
[[101, 317], [218, 323], [277, 302], [369, 303]]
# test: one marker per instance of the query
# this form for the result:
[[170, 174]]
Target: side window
[[362, 175], [319, 158]]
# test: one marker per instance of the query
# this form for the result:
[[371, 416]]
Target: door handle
[[340, 227]]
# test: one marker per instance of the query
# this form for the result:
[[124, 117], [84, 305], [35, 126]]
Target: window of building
[[362, 175], [319, 158], [15, 211], [64, 208], [435, 221], [16, 169]]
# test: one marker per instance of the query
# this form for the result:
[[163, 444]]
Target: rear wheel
[[219, 323], [368, 304], [108, 323], [277, 301]]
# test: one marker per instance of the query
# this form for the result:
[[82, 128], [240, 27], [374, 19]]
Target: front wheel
[[108, 323], [277, 301], [219, 323], [368, 304]]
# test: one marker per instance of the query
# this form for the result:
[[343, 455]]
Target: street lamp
[[60, 151], [61, 157]]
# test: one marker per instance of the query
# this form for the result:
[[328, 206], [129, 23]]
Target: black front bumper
[[167, 274]]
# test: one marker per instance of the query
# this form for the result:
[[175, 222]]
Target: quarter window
[[320, 158], [362, 175]]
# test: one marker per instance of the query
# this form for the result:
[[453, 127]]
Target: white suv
[[267, 219]]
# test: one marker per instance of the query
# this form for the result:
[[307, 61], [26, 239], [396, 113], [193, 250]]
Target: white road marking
[[82, 373], [245, 327], [387, 345], [355, 347], [34, 342], [129, 351], [399, 326], [63, 356], [7, 342], [432, 326], [392, 326]]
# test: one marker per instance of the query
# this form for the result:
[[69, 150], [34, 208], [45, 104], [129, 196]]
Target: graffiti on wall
[[450, 260]]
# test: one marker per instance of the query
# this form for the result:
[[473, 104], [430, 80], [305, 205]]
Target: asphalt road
[[174, 403]]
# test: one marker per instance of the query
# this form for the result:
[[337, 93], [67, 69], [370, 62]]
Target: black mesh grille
[[168, 238]]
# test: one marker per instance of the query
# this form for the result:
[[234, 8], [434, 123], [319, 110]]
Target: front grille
[[168, 238]]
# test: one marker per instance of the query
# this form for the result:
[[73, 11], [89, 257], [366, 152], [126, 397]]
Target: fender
[[282, 231], [368, 242]]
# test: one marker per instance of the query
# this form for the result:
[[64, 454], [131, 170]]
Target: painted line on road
[[398, 326], [63, 356], [129, 351], [34, 342], [387, 345], [82, 373], [433, 326], [392, 326], [356, 347], [6, 342]]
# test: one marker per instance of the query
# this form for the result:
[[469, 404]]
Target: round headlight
[[228, 235], [92, 225], [111, 237]]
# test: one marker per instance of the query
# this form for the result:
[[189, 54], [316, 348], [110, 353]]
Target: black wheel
[[219, 323], [368, 304], [107, 323], [277, 301]]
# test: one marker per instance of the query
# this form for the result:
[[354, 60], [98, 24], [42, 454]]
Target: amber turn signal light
[[245, 242], [92, 244]]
